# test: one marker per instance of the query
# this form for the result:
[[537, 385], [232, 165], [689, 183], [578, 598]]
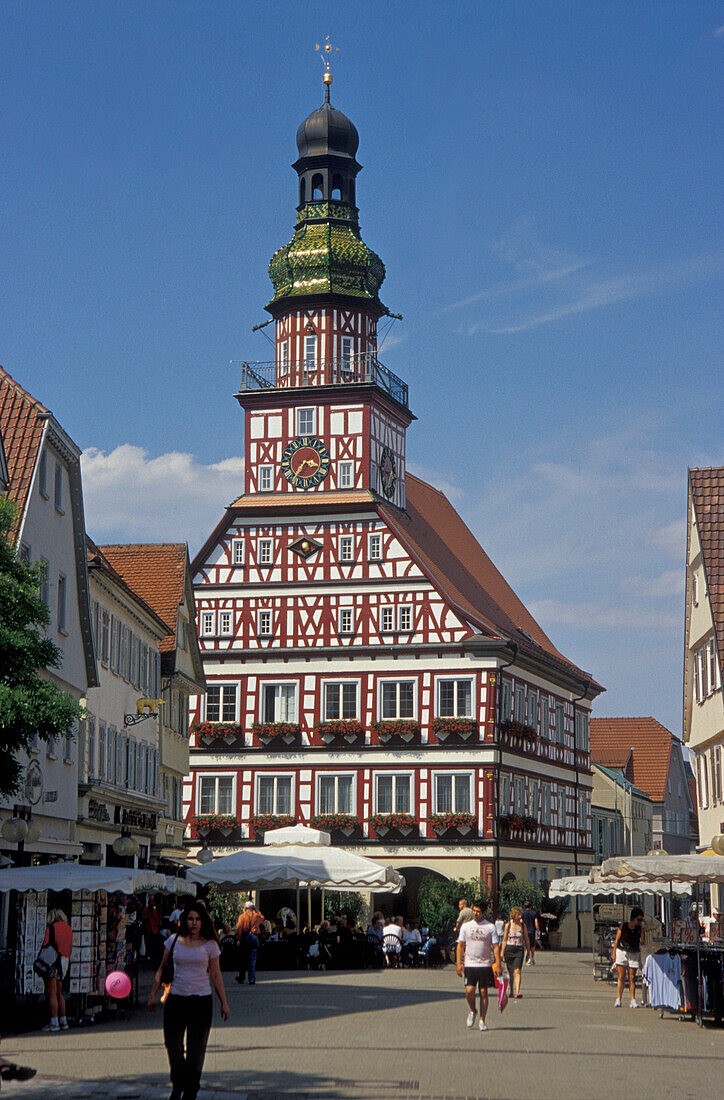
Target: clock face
[[388, 472], [305, 462]]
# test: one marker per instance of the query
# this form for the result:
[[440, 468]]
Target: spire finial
[[327, 49]]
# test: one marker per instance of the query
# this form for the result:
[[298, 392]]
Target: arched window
[[317, 187], [336, 188], [302, 190]]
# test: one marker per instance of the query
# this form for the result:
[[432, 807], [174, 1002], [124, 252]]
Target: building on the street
[[160, 574], [704, 644], [651, 758], [118, 770], [368, 667], [45, 486], [622, 815]]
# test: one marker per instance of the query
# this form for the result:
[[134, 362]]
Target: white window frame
[[346, 352], [221, 684], [207, 623], [561, 815], [519, 703], [454, 775], [506, 700], [374, 539], [531, 704], [266, 479], [216, 776], [394, 774], [560, 731], [265, 623], [405, 623], [264, 547], [223, 615], [545, 802], [342, 626], [545, 717], [311, 349], [278, 684], [275, 776], [345, 475], [283, 357], [339, 684], [302, 413], [503, 793], [336, 776], [345, 549], [387, 611], [237, 552], [440, 680], [398, 680]]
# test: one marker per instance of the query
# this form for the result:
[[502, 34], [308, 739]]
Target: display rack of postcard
[[88, 915], [32, 922]]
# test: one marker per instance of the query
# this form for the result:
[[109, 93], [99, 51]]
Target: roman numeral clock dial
[[305, 462]]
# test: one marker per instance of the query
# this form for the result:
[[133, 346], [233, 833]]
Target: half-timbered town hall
[[369, 669]]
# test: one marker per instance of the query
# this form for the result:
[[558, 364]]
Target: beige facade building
[[627, 810]]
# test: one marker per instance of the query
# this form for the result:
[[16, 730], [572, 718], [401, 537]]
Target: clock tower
[[325, 416]]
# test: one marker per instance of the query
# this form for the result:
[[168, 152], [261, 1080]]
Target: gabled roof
[[22, 422], [640, 746], [156, 571], [617, 776], [98, 560], [446, 549], [707, 491]]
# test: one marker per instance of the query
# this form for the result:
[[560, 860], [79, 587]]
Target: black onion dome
[[327, 130]]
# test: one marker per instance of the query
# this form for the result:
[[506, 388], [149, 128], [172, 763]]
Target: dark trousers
[[189, 1016], [249, 951]]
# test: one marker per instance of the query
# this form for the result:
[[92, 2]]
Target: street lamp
[[15, 829], [205, 855]]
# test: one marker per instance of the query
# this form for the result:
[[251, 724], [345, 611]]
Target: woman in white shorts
[[627, 954]]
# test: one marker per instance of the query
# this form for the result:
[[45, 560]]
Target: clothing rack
[[698, 949]]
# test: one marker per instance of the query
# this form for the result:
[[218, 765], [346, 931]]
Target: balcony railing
[[353, 370]]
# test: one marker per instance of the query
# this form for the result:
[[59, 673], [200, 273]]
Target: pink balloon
[[118, 985]]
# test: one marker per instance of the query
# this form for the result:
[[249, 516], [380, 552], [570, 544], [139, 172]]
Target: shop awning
[[664, 868], [581, 886], [82, 876]]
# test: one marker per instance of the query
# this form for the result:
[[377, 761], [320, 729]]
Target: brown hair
[[515, 912], [207, 925]]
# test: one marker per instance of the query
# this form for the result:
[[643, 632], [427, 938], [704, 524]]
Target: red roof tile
[[97, 558], [707, 489], [22, 420], [640, 746], [156, 572], [457, 564]]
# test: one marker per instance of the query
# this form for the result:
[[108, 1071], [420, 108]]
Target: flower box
[[395, 824], [518, 735], [530, 824], [264, 823], [205, 825], [400, 731], [343, 731], [277, 733], [455, 729], [347, 824], [217, 734], [453, 824]]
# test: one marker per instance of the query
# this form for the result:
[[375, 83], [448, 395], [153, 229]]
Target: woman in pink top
[[189, 1008], [516, 944], [63, 939]]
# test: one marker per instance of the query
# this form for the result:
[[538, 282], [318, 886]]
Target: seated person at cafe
[[411, 943], [392, 941]]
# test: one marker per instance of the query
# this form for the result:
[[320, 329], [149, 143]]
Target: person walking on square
[[62, 937], [532, 926], [626, 954], [189, 1008], [247, 934], [465, 914], [478, 951], [515, 944]]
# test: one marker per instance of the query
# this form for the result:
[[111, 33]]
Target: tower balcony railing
[[351, 370]]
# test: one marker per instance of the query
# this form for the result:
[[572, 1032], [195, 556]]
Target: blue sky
[[542, 181]]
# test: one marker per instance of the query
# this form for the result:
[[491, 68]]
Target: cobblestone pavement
[[393, 1035]]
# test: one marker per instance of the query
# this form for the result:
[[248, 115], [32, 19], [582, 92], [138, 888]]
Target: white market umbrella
[[83, 876], [582, 886], [684, 869]]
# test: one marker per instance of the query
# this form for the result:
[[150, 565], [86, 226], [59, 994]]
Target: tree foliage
[[30, 704], [225, 907], [343, 903], [438, 898]]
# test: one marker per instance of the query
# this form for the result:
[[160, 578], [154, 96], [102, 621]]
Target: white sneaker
[[633, 1004], [532, 961], [52, 1027], [471, 1018], [482, 1026], [617, 1003], [528, 962]]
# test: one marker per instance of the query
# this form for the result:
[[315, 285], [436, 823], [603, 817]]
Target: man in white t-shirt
[[479, 945], [392, 941]]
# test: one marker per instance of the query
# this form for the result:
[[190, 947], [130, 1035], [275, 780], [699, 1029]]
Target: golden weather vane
[[327, 50]]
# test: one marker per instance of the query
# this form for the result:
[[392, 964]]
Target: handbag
[[48, 956], [168, 967]]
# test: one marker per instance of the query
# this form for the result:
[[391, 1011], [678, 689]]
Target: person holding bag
[[516, 945], [58, 938], [190, 964]]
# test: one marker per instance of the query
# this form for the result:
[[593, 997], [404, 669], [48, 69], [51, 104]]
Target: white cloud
[[451, 490], [131, 496]]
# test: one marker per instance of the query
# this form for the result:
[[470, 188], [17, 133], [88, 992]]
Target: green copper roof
[[326, 255]]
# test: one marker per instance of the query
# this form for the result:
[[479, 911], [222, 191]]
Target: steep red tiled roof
[[455, 561], [156, 572], [707, 488], [641, 746], [96, 557], [22, 420]]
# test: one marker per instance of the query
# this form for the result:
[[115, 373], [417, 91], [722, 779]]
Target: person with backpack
[[59, 935]]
